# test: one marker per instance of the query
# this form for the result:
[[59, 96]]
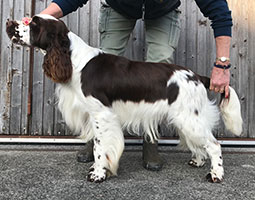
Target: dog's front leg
[[108, 144]]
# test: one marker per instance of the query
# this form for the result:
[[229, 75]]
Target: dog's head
[[49, 34]]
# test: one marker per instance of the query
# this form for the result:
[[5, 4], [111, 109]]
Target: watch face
[[223, 59]]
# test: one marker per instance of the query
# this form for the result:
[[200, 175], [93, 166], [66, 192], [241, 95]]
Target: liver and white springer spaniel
[[99, 94]]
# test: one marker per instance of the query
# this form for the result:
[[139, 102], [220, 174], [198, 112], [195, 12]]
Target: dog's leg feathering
[[108, 144], [213, 149]]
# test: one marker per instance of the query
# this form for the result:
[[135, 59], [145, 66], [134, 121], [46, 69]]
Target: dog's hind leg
[[213, 149], [198, 159], [198, 154], [196, 133], [202, 143], [108, 144]]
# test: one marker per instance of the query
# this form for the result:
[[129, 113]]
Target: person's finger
[[227, 91], [216, 89], [222, 90], [211, 86]]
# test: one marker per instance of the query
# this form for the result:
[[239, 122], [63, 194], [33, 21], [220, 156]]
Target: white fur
[[71, 98], [45, 16], [142, 116], [81, 52], [231, 113]]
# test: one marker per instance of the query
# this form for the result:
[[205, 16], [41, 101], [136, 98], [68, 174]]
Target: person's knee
[[161, 55]]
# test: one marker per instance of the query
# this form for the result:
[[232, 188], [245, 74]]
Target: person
[[162, 30]]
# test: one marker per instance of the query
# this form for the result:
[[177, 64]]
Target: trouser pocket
[[104, 13], [174, 28]]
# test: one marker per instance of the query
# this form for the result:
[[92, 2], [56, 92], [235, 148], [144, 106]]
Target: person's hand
[[220, 81], [26, 20]]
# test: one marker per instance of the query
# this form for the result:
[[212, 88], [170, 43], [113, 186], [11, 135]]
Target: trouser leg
[[162, 37], [86, 155], [115, 30]]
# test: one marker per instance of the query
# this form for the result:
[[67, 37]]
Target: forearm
[[220, 77], [54, 10], [223, 46]]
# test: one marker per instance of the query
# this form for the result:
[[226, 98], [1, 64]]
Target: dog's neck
[[81, 53]]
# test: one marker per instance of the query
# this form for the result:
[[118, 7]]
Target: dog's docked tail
[[230, 109], [231, 112]]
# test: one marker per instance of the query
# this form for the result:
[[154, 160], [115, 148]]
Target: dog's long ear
[[57, 63]]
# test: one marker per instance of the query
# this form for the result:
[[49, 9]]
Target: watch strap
[[222, 66]]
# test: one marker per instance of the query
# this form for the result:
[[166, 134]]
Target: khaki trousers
[[162, 34]]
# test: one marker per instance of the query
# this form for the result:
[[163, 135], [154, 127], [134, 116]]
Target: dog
[[99, 94]]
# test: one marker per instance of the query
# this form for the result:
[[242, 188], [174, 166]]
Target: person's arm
[[220, 77], [59, 8], [220, 15], [66, 6], [54, 10]]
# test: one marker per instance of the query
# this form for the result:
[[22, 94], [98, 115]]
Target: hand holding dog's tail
[[230, 108]]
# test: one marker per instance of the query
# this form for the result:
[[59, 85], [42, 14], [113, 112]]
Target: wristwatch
[[222, 59]]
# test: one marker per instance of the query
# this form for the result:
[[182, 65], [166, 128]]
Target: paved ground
[[51, 172]]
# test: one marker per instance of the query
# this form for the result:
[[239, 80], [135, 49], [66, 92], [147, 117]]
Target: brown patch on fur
[[107, 157], [57, 65]]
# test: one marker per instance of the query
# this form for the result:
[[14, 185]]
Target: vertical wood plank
[[16, 74], [5, 69], [180, 58], [38, 84], [25, 76], [201, 56], [48, 101], [84, 14], [191, 36], [73, 21], [1, 28], [73, 24], [239, 55], [93, 26]]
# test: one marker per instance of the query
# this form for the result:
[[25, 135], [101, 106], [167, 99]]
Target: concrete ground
[[31, 172]]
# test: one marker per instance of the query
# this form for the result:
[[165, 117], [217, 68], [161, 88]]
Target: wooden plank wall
[[27, 103]]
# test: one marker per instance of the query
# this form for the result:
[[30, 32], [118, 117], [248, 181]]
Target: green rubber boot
[[151, 158], [86, 155]]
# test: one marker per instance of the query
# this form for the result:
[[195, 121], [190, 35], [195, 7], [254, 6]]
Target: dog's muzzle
[[18, 32]]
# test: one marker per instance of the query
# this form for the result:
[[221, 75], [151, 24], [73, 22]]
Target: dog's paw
[[213, 178], [196, 163], [97, 174]]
